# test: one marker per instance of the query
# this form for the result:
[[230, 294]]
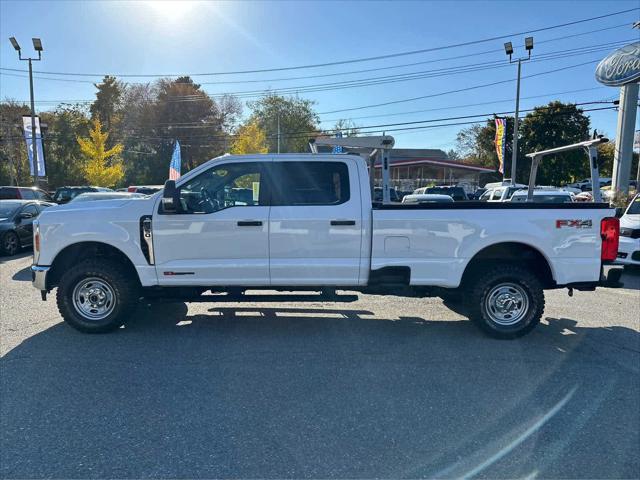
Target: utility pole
[[37, 45], [278, 132], [508, 48]]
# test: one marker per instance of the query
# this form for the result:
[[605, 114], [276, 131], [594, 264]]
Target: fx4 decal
[[574, 224]]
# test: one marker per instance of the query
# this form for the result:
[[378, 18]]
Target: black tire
[[124, 292], [509, 282], [9, 243]]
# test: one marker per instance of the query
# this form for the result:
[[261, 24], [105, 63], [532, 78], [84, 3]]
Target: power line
[[450, 107], [386, 127], [476, 54], [364, 59], [465, 89], [455, 70]]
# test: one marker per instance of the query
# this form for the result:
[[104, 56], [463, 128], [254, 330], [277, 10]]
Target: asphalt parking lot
[[377, 387]]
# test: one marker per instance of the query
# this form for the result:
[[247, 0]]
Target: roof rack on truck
[[371, 148], [590, 146]]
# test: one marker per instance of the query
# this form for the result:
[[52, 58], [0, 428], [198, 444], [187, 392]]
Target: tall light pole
[[508, 48], [37, 46]]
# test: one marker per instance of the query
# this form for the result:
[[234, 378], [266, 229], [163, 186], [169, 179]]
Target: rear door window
[[27, 194], [310, 183], [7, 193]]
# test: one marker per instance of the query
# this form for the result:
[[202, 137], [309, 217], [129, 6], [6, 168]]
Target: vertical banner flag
[[26, 125], [501, 134], [174, 166], [337, 148]]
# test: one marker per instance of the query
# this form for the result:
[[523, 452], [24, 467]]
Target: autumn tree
[[250, 139], [103, 166]]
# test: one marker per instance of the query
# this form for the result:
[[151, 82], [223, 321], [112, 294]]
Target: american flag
[[174, 166]]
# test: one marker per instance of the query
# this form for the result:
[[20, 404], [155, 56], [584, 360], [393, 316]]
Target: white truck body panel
[[298, 246], [438, 244]]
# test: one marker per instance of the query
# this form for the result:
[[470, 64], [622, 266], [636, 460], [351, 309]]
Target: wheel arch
[[77, 252], [512, 252]]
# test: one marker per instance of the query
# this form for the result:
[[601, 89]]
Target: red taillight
[[610, 232]]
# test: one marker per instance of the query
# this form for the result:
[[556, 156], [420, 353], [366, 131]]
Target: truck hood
[[99, 210], [630, 221]]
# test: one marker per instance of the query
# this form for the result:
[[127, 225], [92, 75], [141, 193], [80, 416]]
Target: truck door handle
[[342, 222], [249, 223]]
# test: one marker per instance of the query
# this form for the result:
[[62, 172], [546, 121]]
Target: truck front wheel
[[506, 301], [97, 296]]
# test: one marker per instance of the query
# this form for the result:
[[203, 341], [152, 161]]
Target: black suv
[[24, 193]]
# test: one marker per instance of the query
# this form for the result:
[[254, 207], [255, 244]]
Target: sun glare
[[171, 9]]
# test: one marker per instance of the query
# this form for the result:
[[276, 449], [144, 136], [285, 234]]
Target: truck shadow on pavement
[[333, 392]]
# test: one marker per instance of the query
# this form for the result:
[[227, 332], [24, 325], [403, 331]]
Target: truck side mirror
[[619, 212], [170, 197]]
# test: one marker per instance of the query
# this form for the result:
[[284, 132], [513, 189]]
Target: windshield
[[634, 208], [66, 194]]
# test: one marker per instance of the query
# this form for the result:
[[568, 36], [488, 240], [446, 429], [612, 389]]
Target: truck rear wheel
[[506, 301], [97, 296]]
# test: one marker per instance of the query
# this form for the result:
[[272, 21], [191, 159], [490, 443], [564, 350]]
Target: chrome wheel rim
[[93, 298], [507, 304], [10, 243]]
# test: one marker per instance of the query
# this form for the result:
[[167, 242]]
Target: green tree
[[65, 163], [546, 127], [14, 166], [554, 125], [108, 104], [103, 166], [296, 117]]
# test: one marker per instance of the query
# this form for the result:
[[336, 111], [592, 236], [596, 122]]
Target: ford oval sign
[[620, 67]]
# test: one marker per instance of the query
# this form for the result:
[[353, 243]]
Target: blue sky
[[151, 38]]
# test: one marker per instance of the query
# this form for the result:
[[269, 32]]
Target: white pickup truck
[[307, 222]]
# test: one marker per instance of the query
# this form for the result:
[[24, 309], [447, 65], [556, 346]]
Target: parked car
[[543, 196], [314, 226], [145, 189], [629, 247], [16, 223], [500, 194], [457, 193], [24, 193], [585, 185], [95, 196], [426, 198], [68, 193]]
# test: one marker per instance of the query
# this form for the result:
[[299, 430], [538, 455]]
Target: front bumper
[[39, 277]]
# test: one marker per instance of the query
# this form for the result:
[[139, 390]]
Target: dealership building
[[412, 168]]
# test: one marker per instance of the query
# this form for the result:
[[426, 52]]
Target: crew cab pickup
[[307, 222]]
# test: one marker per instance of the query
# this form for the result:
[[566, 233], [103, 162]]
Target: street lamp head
[[508, 48], [14, 42], [37, 44], [528, 43]]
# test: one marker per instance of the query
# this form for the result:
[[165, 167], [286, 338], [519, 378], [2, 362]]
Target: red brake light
[[610, 232]]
